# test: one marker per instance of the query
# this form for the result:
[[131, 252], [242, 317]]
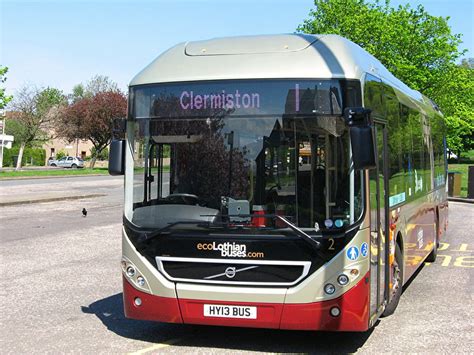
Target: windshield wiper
[[314, 244], [306, 237], [157, 232]]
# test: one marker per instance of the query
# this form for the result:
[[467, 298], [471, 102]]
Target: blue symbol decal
[[364, 249], [353, 253], [338, 223]]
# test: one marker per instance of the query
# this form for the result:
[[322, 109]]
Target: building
[[77, 148]]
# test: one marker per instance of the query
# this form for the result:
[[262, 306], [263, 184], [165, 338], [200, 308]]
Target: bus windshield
[[237, 166]]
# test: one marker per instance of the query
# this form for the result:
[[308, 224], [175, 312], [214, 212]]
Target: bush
[[104, 154], [60, 154], [31, 156]]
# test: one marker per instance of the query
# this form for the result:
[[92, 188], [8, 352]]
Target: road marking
[[464, 261], [157, 346], [443, 246], [463, 247]]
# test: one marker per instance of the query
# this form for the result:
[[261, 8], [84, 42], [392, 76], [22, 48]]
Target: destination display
[[237, 98]]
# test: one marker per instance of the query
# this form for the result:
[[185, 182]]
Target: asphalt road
[[61, 288]]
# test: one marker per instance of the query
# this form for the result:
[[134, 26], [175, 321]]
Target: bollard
[[470, 182], [454, 183]]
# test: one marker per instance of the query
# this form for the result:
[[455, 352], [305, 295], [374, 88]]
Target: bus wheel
[[397, 283]]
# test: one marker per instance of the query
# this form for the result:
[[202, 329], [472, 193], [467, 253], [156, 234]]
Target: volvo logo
[[230, 272]]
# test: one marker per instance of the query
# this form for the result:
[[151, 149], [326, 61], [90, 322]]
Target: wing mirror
[[117, 148], [362, 141]]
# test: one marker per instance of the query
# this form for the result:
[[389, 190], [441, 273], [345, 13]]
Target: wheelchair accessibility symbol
[[353, 253], [364, 249]]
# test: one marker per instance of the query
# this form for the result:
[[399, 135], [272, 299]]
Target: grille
[[232, 271]]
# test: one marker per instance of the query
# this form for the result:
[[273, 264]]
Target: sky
[[63, 43]]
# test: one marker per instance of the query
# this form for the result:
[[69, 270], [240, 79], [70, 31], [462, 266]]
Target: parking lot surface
[[61, 288]]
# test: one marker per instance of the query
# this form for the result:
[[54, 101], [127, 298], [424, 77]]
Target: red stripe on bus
[[354, 306]]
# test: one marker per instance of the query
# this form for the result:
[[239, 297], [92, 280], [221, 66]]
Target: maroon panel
[[354, 306], [155, 308]]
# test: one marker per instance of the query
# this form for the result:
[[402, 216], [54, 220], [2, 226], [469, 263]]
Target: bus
[[278, 181]]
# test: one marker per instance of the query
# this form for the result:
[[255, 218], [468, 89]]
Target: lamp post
[[2, 128]]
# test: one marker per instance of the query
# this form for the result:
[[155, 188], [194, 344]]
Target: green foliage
[[455, 96], [31, 156], [48, 100], [4, 99], [36, 110], [97, 84], [415, 46], [60, 154], [17, 129], [102, 155]]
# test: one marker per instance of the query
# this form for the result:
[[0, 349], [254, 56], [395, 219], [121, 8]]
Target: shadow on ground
[[110, 311]]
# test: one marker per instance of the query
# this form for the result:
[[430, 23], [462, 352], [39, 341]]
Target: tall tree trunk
[[20, 156], [94, 158]]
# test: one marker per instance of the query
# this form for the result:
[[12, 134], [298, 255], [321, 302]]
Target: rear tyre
[[53, 165], [397, 283], [74, 166]]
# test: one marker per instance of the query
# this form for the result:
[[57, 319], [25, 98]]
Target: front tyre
[[397, 283]]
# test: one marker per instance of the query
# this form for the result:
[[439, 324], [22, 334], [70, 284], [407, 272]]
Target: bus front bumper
[[353, 306]]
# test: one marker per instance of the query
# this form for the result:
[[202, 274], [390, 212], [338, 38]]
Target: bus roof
[[284, 56]]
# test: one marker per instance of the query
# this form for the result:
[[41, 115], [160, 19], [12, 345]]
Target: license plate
[[224, 311]]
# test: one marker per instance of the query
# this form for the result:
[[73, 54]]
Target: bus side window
[[395, 142]]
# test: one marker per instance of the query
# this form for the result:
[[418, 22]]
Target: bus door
[[378, 216]]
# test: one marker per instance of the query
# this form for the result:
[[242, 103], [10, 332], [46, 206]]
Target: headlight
[[130, 271], [140, 281], [329, 289], [343, 280]]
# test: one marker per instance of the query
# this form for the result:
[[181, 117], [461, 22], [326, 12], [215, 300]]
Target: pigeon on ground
[[84, 212]]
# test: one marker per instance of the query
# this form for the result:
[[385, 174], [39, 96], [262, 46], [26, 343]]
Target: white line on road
[[157, 346]]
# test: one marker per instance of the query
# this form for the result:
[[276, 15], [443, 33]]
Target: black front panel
[[229, 272], [279, 257], [257, 247]]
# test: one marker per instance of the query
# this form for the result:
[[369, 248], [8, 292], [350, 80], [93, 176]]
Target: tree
[[35, 110], [456, 98], [4, 99], [91, 118], [97, 84], [468, 63], [416, 47]]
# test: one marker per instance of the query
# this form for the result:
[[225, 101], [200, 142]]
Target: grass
[[53, 172], [466, 159], [64, 172]]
